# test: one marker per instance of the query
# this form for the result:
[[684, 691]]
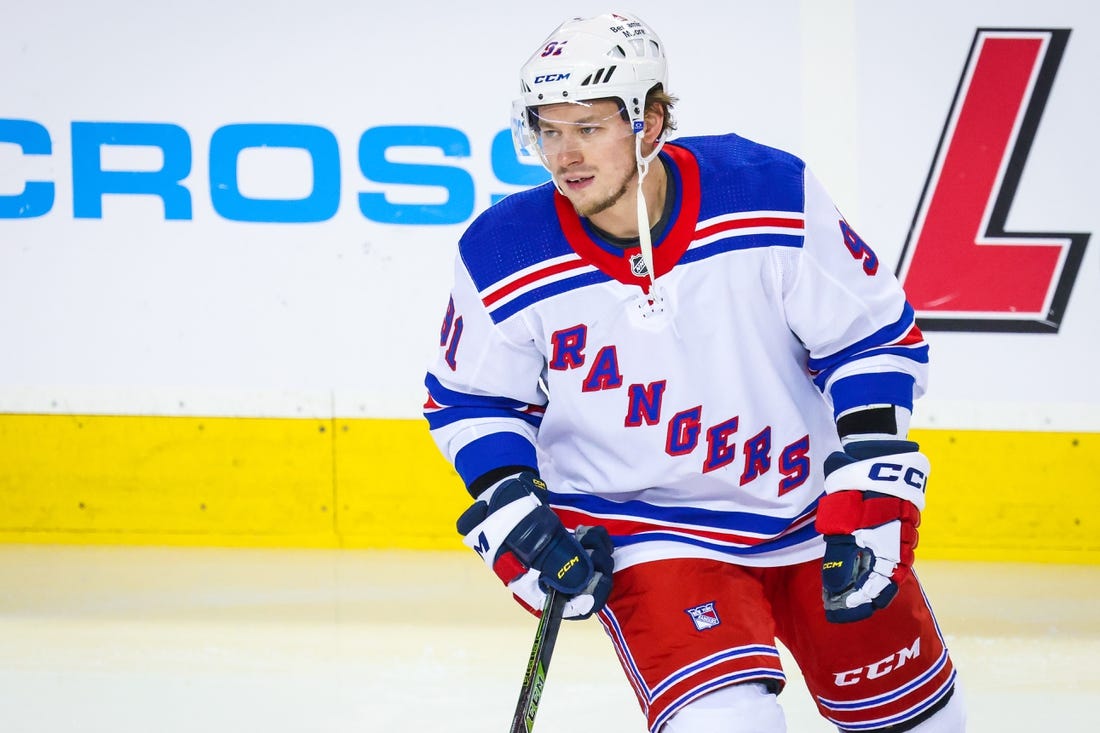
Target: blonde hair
[[657, 96]]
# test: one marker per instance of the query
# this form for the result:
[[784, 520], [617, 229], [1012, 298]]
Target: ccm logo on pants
[[880, 668]]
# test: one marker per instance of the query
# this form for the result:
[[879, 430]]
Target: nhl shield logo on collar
[[704, 617], [637, 266]]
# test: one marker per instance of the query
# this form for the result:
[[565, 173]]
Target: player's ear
[[654, 123]]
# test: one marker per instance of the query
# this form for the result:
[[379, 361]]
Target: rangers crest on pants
[[704, 617]]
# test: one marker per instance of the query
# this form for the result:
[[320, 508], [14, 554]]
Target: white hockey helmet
[[613, 55]]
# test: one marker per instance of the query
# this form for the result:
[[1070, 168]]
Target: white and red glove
[[874, 494], [521, 539]]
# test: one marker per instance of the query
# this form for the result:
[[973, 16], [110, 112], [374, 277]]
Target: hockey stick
[[535, 678]]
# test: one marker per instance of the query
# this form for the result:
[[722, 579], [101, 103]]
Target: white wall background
[[133, 313]]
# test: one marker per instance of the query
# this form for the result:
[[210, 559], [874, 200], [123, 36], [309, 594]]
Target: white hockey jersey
[[690, 419]]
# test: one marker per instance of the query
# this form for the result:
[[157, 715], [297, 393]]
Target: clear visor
[[561, 128]]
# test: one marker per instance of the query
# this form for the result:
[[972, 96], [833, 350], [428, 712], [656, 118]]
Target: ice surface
[[138, 639]]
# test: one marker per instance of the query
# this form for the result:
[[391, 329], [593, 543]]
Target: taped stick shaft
[[534, 680]]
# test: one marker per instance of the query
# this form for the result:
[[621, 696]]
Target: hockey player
[[678, 384]]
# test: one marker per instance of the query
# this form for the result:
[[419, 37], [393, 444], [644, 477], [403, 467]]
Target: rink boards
[[363, 483]]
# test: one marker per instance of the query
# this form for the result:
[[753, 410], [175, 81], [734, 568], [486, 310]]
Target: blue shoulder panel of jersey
[[739, 175], [513, 234], [731, 176]]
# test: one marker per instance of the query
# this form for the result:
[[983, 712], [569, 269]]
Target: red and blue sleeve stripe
[[446, 406]]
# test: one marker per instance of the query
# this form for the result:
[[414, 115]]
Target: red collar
[[666, 252]]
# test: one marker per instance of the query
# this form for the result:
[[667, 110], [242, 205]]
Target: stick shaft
[[534, 680]]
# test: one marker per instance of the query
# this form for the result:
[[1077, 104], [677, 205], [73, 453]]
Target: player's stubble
[[600, 205]]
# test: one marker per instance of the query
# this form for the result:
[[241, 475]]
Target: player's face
[[589, 150]]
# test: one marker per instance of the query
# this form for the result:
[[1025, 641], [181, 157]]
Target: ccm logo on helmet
[[541, 78], [895, 472]]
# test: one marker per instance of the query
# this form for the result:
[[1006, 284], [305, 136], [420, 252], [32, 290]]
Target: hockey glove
[[874, 494], [521, 539]]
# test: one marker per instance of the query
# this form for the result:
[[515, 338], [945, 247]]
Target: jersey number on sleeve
[[859, 249], [450, 334]]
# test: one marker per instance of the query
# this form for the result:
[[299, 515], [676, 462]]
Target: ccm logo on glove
[[519, 537], [569, 563], [869, 518], [895, 471], [481, 546]]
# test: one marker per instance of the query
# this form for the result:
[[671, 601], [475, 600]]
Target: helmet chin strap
[[645, 239]]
